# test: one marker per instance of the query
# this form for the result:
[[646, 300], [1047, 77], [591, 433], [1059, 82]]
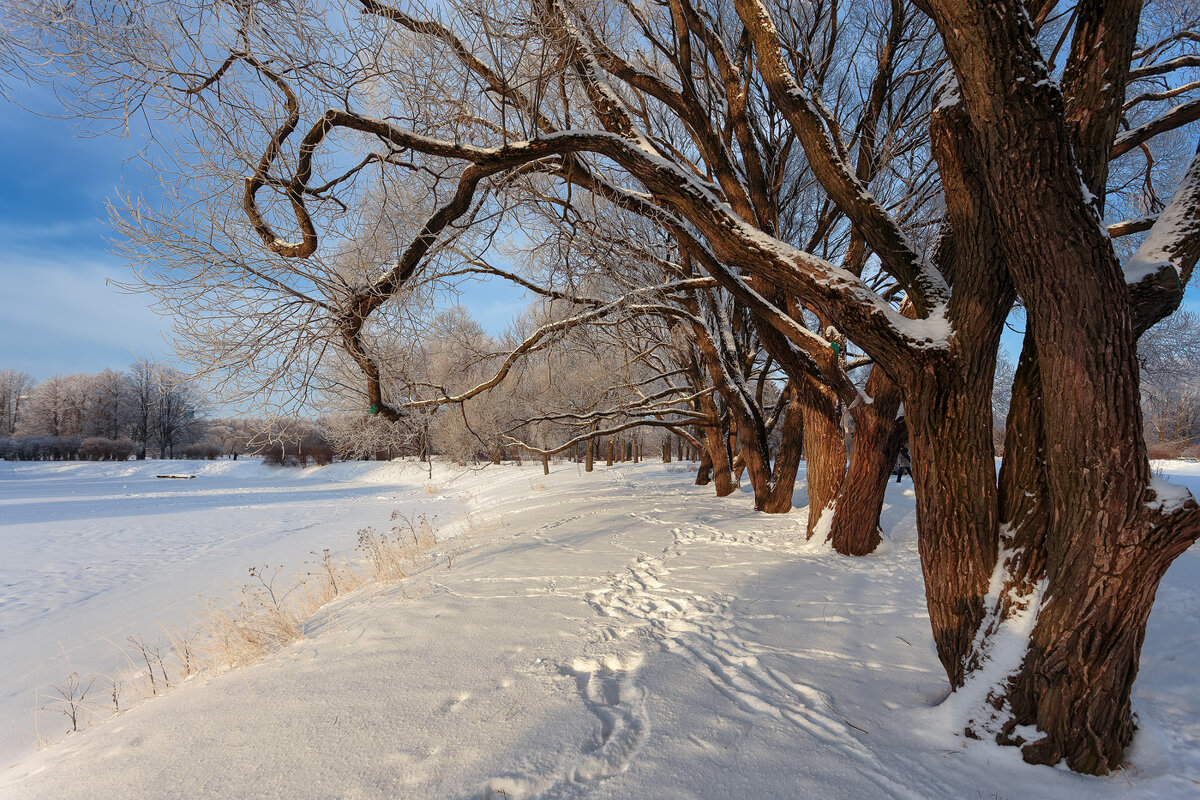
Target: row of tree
[[757, 224], [151, 405]]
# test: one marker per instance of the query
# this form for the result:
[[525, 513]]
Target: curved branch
[[261, 177]]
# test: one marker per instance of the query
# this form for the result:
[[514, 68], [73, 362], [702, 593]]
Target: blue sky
[[59, 314]]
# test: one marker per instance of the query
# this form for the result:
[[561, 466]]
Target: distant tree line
[[148, 410]]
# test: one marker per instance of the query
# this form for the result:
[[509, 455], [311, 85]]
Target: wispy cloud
[[61, 316]]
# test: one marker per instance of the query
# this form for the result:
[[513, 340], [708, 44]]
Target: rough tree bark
[[1111, 536], [873, 453], [947, 401], [824, 455], [704, 470]]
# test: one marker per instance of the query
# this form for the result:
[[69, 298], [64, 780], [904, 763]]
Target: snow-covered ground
[[95, 552], [615, 635]]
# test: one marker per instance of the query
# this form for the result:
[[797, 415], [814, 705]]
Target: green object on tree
[[373, 410], [837, 348]]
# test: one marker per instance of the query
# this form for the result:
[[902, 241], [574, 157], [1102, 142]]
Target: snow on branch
[[926, 286], [1163, 263], [1177, 117]]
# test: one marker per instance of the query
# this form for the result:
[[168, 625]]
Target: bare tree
[[175, 420], [15, 388], [697, 117], [1169, 355], [108, 405], [143, 385]]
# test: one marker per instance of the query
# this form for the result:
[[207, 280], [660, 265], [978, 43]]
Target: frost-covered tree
[[56, 407], [176, 420], [164, 408], [15, 389], [693, 115], [233, 435], [143, 397], [1169, 354], [109, 406]]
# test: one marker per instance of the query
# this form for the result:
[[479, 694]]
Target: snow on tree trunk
[[825, 455]]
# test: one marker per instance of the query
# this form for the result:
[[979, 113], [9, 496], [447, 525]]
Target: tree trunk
[[753, 457], [1110, 538], [589, 455], [947, 398], [774, 486], [873, 452], [825, 458], [704, 471], [717, 453], [954, 479], [1023, 497], [787, 460], [1083, 656], [545, 464], [757, 468]]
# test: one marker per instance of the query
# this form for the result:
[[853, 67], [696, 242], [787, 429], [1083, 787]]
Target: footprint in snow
[[608, 689]]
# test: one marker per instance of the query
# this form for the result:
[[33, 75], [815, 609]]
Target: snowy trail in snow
[[642, 598], [700, 626]]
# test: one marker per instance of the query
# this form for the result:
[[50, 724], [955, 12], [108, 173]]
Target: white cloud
[[60, 316]]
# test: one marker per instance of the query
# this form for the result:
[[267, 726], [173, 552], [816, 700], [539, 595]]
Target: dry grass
[[267, 613], [70, 700], [261, 620]]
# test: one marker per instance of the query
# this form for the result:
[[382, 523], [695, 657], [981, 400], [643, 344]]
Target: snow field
[[615, 635], [97, 552]]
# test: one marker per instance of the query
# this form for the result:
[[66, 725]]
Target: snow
[[97, 552], [1000, 653], [608, 635], [1160, 251], [945, 92], [933, 332], [1169, 496]]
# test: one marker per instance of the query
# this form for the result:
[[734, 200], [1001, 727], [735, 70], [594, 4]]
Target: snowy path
[[617, 635]]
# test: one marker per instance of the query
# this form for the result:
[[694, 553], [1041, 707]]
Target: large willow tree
[[793, 154]]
